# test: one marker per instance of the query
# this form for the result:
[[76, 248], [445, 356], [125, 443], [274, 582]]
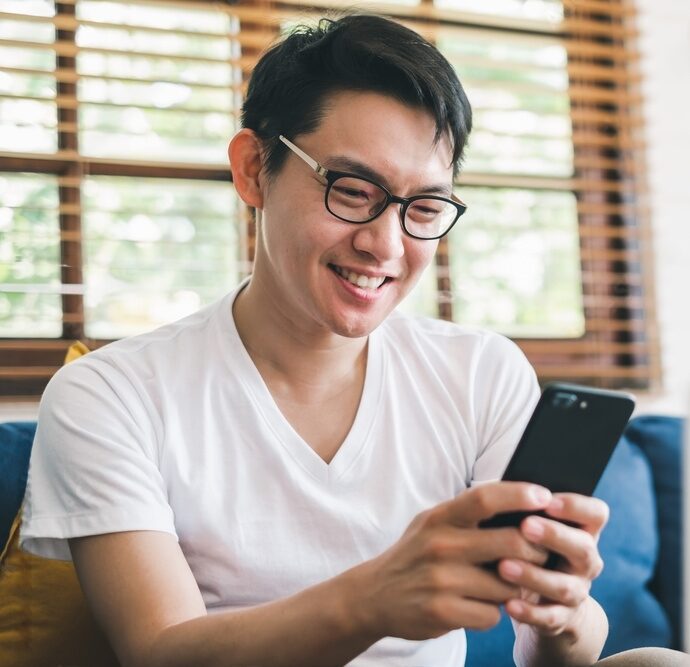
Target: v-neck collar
[[356, 439]]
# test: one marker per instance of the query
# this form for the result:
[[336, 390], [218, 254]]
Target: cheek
[[420, 254]]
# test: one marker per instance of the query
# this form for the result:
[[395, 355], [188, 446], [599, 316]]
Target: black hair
[[292, 82]]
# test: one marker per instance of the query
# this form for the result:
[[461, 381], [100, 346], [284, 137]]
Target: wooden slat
[[591, 370], [593, 279], [604, 324], [589, 30], [72, 23], [208, 5], [28, 371], [616, 52], [71, 50], [103, 167], [65, 102], [476, 179], [589, 231], [35, 345], [69, 76], [606, 208], [582, 347], [603, 301], [598, 73], [624, 164], [619, 96], [605, 7], [609, 255], [430, 12], [619, 118], [19, 398]]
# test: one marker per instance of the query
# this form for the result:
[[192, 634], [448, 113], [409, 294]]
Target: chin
[[357, 327]]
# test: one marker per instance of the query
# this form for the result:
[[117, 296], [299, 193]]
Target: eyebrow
[[343, 163]]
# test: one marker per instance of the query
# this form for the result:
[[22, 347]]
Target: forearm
[[320, 626], [578, 646]]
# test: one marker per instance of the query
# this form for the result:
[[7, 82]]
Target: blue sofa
[[640, 588]]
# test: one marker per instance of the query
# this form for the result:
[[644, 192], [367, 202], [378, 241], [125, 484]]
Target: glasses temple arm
[[300, 153]]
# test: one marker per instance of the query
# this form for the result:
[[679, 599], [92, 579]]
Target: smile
[[359, 279]]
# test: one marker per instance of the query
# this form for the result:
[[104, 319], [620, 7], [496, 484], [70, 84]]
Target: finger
[[557, 587], [450, 612], [476, 583], [486, 545], [591, 514], [549, 619], [577, 546], [482, 502]]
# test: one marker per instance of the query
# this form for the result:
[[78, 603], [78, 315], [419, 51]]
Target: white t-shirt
[[175, 431]]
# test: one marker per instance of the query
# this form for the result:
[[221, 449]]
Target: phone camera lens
[[563, 400]]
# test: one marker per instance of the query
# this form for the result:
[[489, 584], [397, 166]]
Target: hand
[[552, 601], [434, 579]]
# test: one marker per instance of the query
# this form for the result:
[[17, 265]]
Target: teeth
[[365, 282]]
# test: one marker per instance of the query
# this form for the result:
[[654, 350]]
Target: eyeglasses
[[358, 200]]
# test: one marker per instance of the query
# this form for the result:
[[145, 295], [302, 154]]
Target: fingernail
[[533, 528], [540, 495], [511, 569], [516, 607]]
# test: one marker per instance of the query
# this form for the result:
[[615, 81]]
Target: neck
[[284, 350]]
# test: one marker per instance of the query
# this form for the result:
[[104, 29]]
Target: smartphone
[[567, 443]]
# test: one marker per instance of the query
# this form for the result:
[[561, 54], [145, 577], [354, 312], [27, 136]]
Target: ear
[[245, 152]]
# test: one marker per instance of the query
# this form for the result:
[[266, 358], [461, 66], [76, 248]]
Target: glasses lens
[[430, 218], [355, 199]]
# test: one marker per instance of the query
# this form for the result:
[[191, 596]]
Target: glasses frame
[[331, 176]]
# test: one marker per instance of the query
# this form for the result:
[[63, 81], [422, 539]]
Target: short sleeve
[[94, 464], [505, 393]]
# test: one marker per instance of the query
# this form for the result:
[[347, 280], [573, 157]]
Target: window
[[116, 213]]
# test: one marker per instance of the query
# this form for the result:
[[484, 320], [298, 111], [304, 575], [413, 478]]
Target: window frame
[[620, 345]]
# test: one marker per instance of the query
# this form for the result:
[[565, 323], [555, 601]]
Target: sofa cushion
[[629, 547], [16, 439], [44, 619], [661, 440]]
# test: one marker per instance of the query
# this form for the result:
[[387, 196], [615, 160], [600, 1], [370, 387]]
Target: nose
[[382, 238]]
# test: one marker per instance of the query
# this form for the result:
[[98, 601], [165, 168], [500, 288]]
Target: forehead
[[390, 137]]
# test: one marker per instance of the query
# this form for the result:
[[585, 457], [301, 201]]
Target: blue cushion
[[16, 439], [629, 547], [661, 438]]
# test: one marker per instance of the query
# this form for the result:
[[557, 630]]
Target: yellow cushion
[[44, 619], [76, 350]]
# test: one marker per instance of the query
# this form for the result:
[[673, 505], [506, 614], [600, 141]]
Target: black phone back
[[567, 442], [570, 438]]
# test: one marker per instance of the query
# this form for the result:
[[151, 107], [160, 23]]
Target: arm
[[143, 593], [428, 583], [556, 621]]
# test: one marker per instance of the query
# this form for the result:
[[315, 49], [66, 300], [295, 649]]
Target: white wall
[[665, 46]]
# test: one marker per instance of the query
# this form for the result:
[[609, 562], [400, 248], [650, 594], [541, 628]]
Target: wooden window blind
[[116, 213]]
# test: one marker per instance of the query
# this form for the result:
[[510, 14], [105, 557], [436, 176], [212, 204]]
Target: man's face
[[310, 261]]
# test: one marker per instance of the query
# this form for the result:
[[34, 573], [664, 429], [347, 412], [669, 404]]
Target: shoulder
[[165, 350], [450, 338], [135, 372], [481, 365]]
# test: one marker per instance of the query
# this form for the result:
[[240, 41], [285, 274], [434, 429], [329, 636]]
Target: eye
[[425, 209], [350, 192]]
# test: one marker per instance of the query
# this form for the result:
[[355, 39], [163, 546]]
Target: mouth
[[360, 280]]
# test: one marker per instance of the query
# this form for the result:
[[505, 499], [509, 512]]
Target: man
[[292, 475]]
